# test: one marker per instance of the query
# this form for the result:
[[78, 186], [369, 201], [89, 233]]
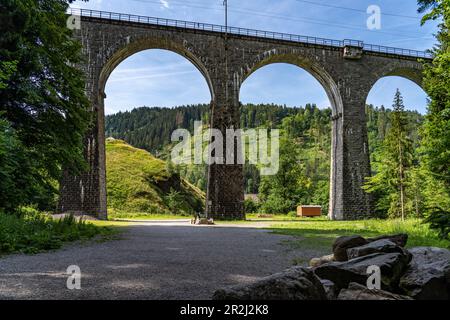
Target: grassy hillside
[[141, 184]]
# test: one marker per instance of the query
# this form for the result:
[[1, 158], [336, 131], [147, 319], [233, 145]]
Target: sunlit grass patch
[[282, 217], [138, 184], [117, 215], [321, 233], [30, 231]]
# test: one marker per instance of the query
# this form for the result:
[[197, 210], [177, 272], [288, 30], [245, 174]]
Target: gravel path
[[151, 261]]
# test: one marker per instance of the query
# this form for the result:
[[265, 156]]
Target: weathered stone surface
[[392, 267], [356, 291], [379, 246], [297, 283], [341, 245], [330, 289], [399, 239], [315, 262], [428, 276], [225, 66]]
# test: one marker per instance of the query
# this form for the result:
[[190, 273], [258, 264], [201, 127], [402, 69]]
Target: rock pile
[[421, 273]]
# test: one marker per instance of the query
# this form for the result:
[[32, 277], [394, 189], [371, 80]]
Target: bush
[[277, 205], [440, 220], [251, 206], [21, 182], [292, 214], [30, 231], [178, 203]]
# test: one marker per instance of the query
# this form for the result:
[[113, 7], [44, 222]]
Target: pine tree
[[395, 156]]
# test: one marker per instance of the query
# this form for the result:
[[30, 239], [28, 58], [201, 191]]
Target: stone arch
[[412, 71], [414, 75], [117, 53], [126, 48], [313, 68], [334, 95]]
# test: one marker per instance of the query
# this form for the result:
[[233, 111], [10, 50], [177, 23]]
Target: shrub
[[21, 182], [440, 220], [251, 206], [277, 205], [292, 214], [30, 231]]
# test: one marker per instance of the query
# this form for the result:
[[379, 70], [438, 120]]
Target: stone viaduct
[[346, 69]]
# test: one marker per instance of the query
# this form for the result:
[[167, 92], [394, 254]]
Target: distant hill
[[151, 128], [137, 182]]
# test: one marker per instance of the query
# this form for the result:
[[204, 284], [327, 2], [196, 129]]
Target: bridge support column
[[225, 194], [350, 159], [86, 192]]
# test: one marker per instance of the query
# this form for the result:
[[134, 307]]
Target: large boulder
[[428, 276], [315, 262], [297, 283], [330, 289], [392, 267], [342, 244], [399, 239], [379, 246], [356, 291]]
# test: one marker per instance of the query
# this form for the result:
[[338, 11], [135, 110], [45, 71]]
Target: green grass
[[319, 233], [280, 217], [114, 215], [139, 182], [115, 225], [33, 232]]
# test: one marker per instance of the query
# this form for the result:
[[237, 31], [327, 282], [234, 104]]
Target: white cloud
[[152, 68], [151, 76], [164, 4]]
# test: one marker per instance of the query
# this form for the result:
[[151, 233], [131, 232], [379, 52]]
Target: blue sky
[[161, 78]]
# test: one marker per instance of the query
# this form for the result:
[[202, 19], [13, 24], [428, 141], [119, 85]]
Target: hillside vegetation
[[139, 183], [304, 150]]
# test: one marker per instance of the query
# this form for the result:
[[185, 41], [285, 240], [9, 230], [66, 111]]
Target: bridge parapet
[[237, 31]]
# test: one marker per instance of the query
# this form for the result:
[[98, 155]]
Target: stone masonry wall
[[225, 66]]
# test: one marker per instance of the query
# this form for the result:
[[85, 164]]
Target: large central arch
[[332, 91]]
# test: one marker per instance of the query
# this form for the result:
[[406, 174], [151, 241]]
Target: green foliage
[[251, 206], [30, 231], [42, 99], [151, 128], [306, 141], [303, 176], [140, 183], [7, 69], [21, 181], [174, 200], [393, 165], [440, 219], [282, 192], [319, 233], [436, 130]]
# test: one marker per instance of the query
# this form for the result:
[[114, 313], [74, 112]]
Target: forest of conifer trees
[[304, 149]]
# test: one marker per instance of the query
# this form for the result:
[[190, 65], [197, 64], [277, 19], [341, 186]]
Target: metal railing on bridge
[[246, 32]]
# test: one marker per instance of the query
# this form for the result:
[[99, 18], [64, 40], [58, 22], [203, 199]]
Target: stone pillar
[[225, 194], [86, 192], [350, 158]]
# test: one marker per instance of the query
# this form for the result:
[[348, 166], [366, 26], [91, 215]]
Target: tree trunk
[[402, 198]]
